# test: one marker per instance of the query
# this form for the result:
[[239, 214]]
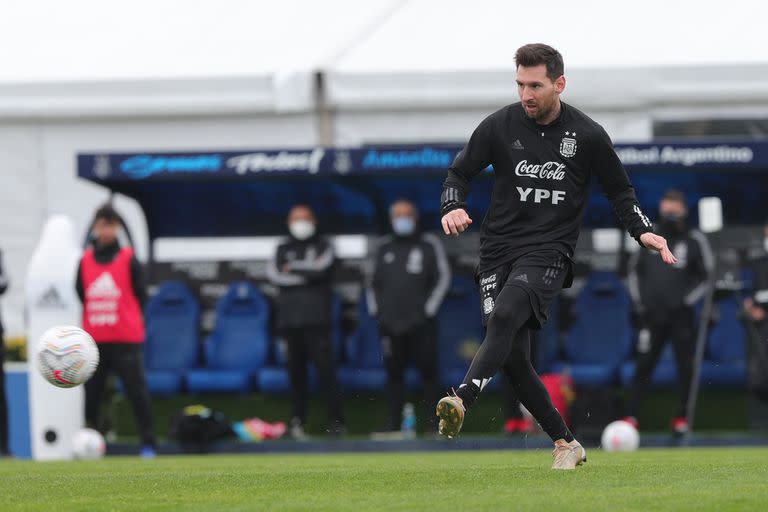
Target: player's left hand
[[658, 243]]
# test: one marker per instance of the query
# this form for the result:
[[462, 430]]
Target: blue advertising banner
[[381, 160]]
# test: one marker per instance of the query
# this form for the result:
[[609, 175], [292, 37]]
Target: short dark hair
[[536, 54], [673, 194], [107, 213]]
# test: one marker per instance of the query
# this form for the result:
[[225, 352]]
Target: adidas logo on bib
[[104, 287]]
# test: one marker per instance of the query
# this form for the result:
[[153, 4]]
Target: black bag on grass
[[196, 427]]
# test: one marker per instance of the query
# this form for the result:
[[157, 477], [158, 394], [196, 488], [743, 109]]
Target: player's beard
[[542, 112]]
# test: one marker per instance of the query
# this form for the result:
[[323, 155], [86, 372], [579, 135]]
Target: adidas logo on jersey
[[517, 144], [104, 287], [521, 277]]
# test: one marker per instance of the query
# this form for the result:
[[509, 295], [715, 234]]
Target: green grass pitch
[[675, 479]]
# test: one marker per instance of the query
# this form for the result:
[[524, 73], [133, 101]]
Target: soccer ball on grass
[[620, 436]]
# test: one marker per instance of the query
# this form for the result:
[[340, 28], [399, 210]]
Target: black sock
[[468, 394], [555, 427]]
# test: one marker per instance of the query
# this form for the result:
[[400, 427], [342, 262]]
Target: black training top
[[542, 176]]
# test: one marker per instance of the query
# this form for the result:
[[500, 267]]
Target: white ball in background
[[67, 356], [620, 436], [88, 444]]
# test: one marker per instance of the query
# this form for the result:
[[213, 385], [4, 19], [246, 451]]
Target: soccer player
[[543, 154]]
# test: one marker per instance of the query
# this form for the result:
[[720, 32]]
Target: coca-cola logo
[[547, 171]]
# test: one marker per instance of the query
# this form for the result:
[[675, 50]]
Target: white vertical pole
[[710, 222]]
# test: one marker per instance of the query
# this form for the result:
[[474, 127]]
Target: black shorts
[[542, 274]]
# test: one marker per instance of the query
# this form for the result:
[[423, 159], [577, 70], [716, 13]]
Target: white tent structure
[[84, 75], [433, 69], [90, 76]]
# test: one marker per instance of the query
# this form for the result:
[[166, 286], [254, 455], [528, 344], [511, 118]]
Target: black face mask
[[672, 223]]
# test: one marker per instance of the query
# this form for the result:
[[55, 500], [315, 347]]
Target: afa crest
[[568, 146]]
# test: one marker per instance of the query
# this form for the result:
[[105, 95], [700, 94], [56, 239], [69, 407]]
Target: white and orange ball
[[67, 356]]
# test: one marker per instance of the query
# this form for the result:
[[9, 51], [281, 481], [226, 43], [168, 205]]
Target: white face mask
[[403, 226], [765, 244], [302, 229]]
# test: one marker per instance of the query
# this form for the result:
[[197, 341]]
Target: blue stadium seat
[[601, 337], [239, 344], [173, 320], [274, 377], [364, 370], [725, 365]]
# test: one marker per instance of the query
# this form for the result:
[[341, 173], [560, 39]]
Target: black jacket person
[[664, 297], [409, 281], [301, 269]]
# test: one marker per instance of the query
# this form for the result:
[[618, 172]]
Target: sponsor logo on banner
[[277, 162], [144, 166], [427, 157], [343, 162], [547, 171], [686, 156], [102, 167]]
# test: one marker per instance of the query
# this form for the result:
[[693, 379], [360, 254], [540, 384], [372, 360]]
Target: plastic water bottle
[[408, 426]]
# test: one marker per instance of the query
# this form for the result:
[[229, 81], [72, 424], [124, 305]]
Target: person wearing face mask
[[410, 278], [664, 297], [301, 269]]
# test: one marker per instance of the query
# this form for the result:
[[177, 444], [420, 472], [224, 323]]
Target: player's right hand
[[455, 222], [659, 244]]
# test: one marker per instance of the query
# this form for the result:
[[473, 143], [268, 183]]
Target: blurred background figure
[[110, 285], [302, 270], [664, 297], [756, 309], [757, 304], [3, 404], [410, 278]]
